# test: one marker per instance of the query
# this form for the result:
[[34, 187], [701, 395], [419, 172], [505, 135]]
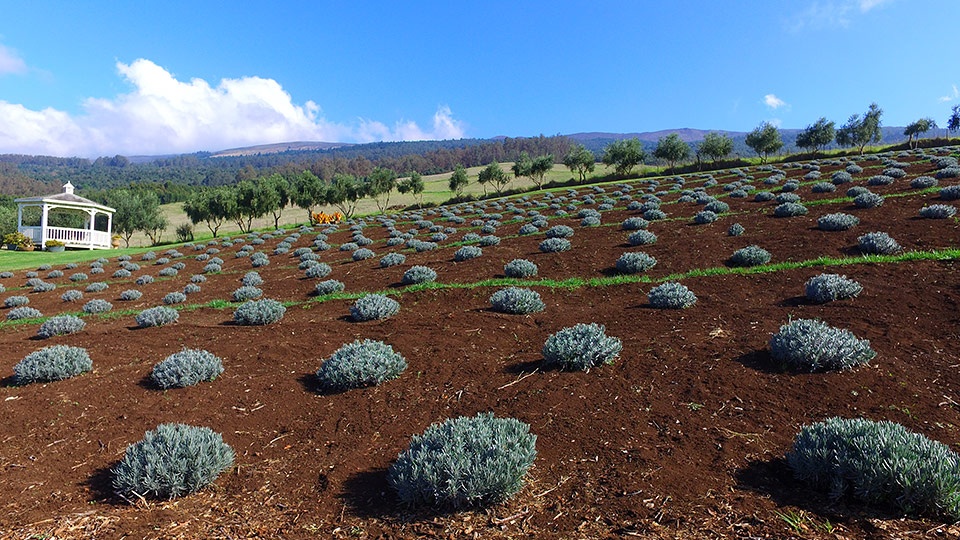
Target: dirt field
[[683, 437]]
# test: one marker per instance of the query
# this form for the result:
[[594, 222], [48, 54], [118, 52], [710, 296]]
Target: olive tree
[[458, 180], [918, 128], [715, 146], [816, 136], [580, 160], [764, 140], [493, 174], [860, 131], [382, 182], [136, 211], [624, 155], [307, 191], [672, 149], [412, 184]]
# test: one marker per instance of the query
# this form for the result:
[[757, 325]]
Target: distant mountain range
[[593, 140]]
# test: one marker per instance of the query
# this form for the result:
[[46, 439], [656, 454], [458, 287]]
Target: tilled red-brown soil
[[684, 436]]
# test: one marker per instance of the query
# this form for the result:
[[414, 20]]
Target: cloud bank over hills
[[164, 115]]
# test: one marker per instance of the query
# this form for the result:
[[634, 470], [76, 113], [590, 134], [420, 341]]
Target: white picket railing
[[77, 238]]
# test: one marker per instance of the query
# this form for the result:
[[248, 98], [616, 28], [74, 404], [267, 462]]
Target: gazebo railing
[[81, 238]]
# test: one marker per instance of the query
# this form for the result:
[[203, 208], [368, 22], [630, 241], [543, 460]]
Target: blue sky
[[105, 77]]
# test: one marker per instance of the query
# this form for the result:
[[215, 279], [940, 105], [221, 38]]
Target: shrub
[[259, 312], [581, 347], [191, 288], [157, 316], [97, 286], [949, 172], [841, 177], [717, 207], [880, 180], [130, 294], [811, 345], [823, 187], [790, 210], [418, 274], [212, 268], [16, 301], [735, 230], [44, 287], [559, 231], [868, 200], [328, 287], [49, 364], [319, 270], [528, 229], [938, 211], [186, 368], [517, 301], [764, 196], [144, 280], [251, 279], [922, 182], [520, 268], [554, 245], [466, 253], [635, 262], [198, 278], [489, 240], [671, 296], [71, 295], [750, 256], [374, 307], [465, 461], [359, 364], [97, 306], [23, 312], [878, 243], [245, 293], [363, 254], [590, 221], [704, 216], [175, 297], [641, 238], [654, 214], [61, 325], [53, 274], [634, 224], [837, 222], [79, 276], [167, 272], [879, 463], [828, 287], [854, 169], [950, 193], [171, 461]]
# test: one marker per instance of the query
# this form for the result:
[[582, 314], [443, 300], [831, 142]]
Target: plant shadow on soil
[[101, 486], [761, 361], [368, 496], [774, 478]]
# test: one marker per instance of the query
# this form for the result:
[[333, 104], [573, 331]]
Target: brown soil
[[684, 436]]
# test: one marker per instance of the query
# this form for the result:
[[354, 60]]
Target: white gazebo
[[67, 203]]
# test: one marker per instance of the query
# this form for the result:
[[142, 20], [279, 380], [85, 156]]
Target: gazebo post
[[93, 215], [43, 224]]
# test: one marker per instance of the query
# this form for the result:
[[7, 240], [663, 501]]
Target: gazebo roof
[[66, 198]]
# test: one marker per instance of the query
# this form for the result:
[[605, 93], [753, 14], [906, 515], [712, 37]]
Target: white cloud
[[821, 14], [772, 101], [10, 62], [867, 5], [950, 97], [165, 115], [775, 122]]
